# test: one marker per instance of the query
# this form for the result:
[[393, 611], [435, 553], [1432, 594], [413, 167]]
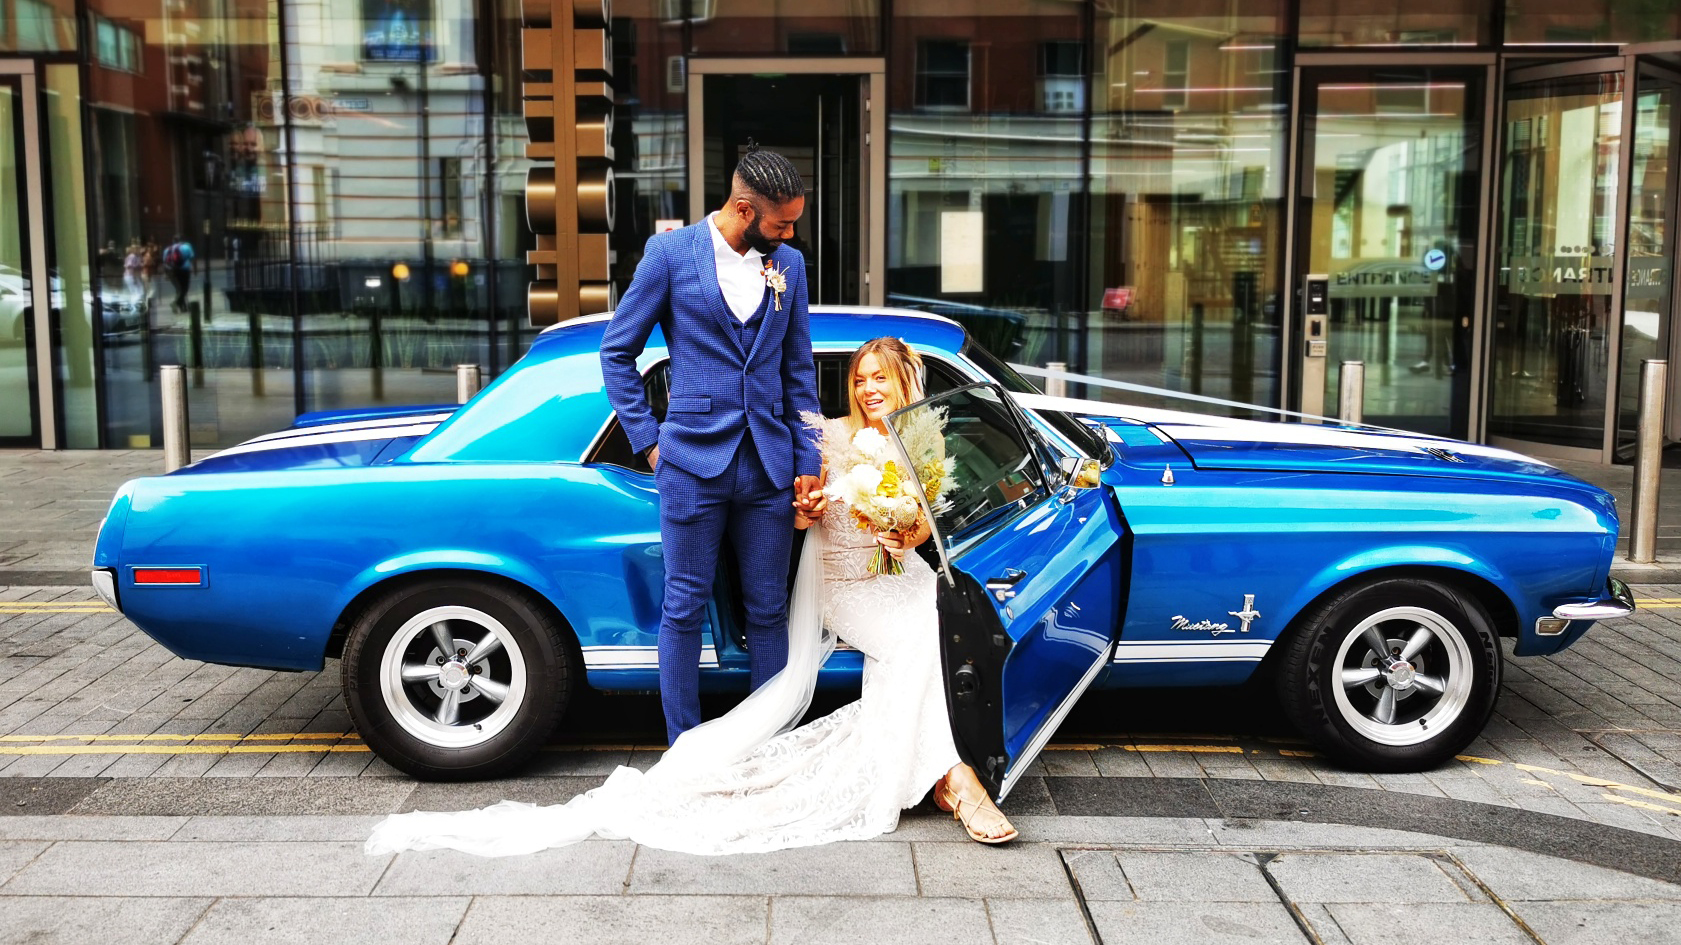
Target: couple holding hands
[[739, 460]]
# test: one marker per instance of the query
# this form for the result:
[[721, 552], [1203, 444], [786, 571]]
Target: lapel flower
[[778, 282]]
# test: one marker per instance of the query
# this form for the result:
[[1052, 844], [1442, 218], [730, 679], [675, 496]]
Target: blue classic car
[[473, 566]]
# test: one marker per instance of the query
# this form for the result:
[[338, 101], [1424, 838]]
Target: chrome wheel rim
[[1402, 675], [453, 677]]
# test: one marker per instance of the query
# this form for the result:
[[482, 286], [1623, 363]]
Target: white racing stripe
[[375, 424], [345, 436], [1196, 651]]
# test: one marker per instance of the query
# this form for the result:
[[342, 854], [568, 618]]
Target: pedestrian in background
[[178, 265]]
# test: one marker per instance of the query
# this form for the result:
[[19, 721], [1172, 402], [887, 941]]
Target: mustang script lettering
[[1180, 623]]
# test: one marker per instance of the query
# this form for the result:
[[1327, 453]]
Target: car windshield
[[1085, 438]]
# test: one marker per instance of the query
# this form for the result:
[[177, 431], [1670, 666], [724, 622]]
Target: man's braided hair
[[768, 174]]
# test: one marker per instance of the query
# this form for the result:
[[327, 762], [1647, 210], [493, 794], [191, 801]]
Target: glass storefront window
[[188, 220], [1648, 289], [1557, 251], [776, 28], [1186, 225], [1388, 23], [1579, 22], [985, 177]]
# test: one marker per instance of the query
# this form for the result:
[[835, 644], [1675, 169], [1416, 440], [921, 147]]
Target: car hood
[[1232, 444], [323, 440]]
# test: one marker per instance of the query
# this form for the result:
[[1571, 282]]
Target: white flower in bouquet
[[881, 494]]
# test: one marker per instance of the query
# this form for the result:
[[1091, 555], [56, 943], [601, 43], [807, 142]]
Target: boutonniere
[[777, 281]]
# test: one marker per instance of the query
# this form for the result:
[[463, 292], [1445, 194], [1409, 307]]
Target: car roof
[[830, 324]]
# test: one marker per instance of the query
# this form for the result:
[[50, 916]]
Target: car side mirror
[[1082, 473]]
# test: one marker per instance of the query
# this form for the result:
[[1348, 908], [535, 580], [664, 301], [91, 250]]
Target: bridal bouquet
[[884, 497]]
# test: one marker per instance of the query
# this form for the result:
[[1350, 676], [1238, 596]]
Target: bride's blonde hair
[[902, 366]]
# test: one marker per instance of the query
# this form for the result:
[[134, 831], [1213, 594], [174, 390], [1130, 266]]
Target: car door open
[[1030, 576]]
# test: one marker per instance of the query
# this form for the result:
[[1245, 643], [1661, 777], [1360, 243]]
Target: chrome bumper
[[1618, 603], [105, 585]]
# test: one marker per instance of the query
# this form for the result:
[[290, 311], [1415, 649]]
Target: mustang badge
[[1247, 615]]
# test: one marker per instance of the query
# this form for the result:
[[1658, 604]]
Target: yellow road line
[[1199, 749], [65, 609], [52, 603], [230, 738], [174, 749], [1642, 804]]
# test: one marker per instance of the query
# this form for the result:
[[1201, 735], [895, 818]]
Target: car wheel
[[456, 680], [1396, 675]]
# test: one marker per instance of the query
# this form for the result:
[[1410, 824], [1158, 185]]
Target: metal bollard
[[466, 382], [1056, 386], [1648, 462], [176, 452], [1351, 392]]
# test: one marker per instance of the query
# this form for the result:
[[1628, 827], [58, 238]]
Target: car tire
[[1434, 695], [476, 714]]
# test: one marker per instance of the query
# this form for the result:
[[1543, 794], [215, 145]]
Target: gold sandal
[[948, 800]]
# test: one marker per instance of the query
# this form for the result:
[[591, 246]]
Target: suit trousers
[[756, 517]]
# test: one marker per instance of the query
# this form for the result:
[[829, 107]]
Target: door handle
[[1003, 587]]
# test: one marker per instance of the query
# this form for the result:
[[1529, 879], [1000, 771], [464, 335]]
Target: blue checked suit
[[730, 445]]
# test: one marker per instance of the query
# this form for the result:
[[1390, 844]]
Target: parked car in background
[[473, 567]]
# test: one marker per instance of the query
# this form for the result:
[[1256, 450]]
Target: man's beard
[[756, 239]]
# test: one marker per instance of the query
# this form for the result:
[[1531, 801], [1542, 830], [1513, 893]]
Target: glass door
[[1648, 293], [813, 120], [19, 414], [1387, 208], [1554, 299]]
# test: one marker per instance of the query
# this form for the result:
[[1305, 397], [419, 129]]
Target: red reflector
[[167, 576]]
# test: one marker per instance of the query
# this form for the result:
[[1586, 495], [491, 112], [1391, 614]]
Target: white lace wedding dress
[[749, 781]]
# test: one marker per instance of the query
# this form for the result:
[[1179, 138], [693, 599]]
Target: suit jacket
[[718, 390]]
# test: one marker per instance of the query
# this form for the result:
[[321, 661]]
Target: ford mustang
[[472, 566]]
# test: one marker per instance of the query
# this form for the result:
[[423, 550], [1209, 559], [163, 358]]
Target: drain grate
[[1322, 897]]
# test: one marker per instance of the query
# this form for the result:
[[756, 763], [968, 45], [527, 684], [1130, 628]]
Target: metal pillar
[[1648, 462], [1351, 392], [1056, 386], [466, 382], [176, 451]]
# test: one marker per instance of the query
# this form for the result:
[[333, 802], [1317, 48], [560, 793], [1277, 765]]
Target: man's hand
[[808, 496], [654, 457]]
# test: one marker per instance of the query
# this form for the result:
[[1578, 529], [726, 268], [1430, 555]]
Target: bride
[[750, 781]]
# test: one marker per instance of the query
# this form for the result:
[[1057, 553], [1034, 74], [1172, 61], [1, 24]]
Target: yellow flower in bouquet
[[881, 496]]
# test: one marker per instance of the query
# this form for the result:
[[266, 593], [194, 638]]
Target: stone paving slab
[[831, 920], [617, 920], [594, 867], [1603, 923], [79, 920], [1222, 923], [1425, 923], [147, 868], [838, 869], [298, 921]]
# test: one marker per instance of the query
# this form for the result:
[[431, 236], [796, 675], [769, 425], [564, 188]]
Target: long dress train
[[749, 781]]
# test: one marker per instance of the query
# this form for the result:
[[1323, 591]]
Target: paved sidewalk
[[1083, 879]]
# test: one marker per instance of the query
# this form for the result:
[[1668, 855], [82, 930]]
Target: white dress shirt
[[741, 276]]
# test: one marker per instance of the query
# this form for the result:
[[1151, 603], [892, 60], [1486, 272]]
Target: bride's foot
[[980, 817]]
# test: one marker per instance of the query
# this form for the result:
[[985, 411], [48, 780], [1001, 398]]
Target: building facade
[[1140, 189]]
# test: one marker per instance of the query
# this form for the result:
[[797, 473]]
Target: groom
[[732, 451]]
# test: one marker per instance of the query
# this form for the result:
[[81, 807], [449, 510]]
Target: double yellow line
[[180, 744], [55, 607]]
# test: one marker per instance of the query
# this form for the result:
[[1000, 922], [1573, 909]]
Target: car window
[[1085, 437], [993, 466], [614, 449], [833, 389]]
